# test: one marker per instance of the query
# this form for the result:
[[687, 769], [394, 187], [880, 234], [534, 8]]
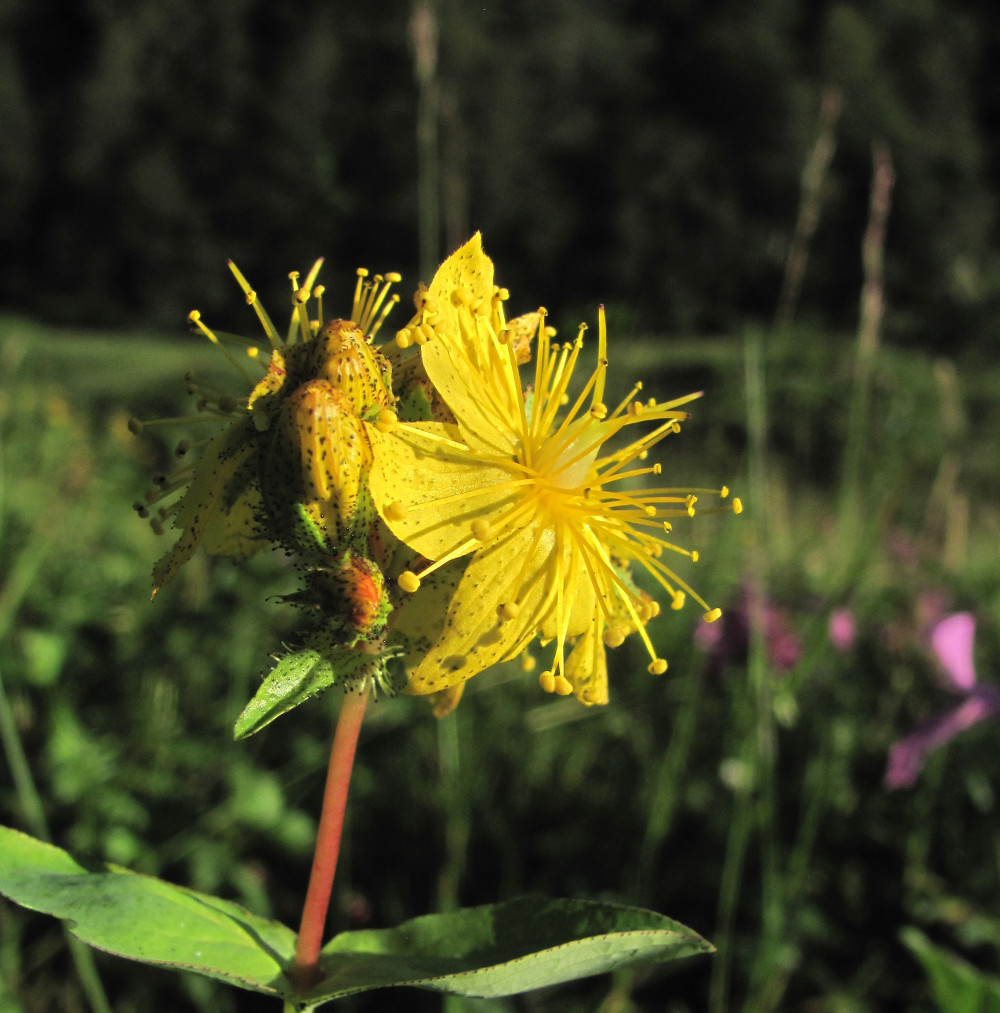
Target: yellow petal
[[219, 510], [471, 371], [441, 486], [516, 571], [417, 620], [469, 272]]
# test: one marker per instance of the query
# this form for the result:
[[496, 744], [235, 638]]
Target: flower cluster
[[440, 508], [290, 468]]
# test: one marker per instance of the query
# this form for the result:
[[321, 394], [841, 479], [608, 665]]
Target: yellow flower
[[530, 490], [291, 465]]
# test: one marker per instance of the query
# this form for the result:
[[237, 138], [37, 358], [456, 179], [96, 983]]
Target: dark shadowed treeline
[[648, 154]]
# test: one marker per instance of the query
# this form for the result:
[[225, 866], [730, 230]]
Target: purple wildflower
[[952, 640]]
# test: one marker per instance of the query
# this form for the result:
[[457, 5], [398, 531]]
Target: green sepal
[[302, 674]]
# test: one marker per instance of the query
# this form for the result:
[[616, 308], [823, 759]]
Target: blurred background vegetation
[[665, 159], [645, 152]]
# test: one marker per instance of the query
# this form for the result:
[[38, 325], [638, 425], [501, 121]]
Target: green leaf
[[495, 950], [297, 677], [957, 986], [146, 919], [502, 949]]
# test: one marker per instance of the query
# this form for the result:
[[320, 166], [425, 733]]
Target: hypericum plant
[[442, 516]]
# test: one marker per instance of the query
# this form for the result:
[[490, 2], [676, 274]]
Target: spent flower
[[518, 504]]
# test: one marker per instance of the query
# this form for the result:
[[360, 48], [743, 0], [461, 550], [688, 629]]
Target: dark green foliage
[[643, 152]]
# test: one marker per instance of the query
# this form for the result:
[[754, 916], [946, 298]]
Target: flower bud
[[314, 479]]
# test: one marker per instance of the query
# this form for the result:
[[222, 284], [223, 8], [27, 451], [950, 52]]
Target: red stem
[[305, 969]]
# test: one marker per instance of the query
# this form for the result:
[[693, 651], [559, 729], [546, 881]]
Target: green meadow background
[[683, 165]]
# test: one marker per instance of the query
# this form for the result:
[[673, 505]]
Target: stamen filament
[[269, 329]]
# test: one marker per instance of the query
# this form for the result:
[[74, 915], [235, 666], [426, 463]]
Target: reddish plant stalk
[[305, 969]]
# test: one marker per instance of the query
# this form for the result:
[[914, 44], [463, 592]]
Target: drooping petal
[[952, 640], [587, 667], [220, 509]]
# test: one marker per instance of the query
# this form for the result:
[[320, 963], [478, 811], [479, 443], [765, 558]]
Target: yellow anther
[[502, 294], [667, 527], [385, 420], [650, 511], [427, 331], [657, 468], [409, 581], [547, 681], [394, 277], [419, 336], [710, 617], [504, 337], [481, 529], [251, 297], [403, 338], [396, 511], [614, 636], [562, 686], [599, 411], [194, 316], [362, 272], [694, 556], [678, 601], [737, 505], [724, 492], [528, 662], [253, 352], [507, 611], [293, 276], [657, 666], [635, 409], [301, 296]]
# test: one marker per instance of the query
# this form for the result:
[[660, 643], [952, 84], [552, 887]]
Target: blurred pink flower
[[842, 629], [952, 640], [728, 639]]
